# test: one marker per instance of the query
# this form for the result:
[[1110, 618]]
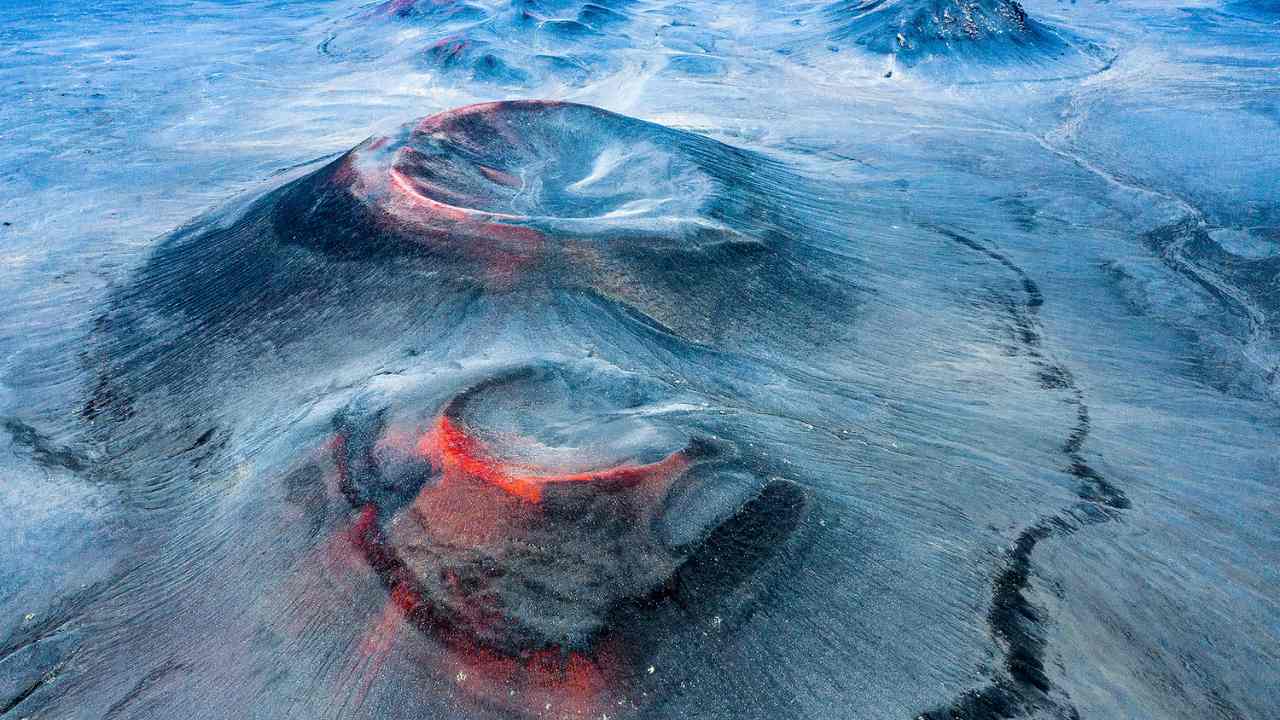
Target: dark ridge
[[1035, 298], [988, 32], [762, 530], [50, 623], [1080, 433], [42, 648], [1055, 377], [104, 397], [201, 440], [1096, 488], [994, 702], [767, 541], [752, 536], [362, 482], [1226, 709], [1022, 687], [1244, 287], [1051, 375], [1015, 622], [1256, 276], [202, 444], [43, 450], [197, 443], [142, 687], [22, 696], [1014, 619], [1169, 244]]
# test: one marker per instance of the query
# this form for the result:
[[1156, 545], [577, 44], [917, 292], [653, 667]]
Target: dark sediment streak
[[1022, 687]]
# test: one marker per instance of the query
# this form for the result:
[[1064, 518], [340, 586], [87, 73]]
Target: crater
[[545, 501], [692, 233], [950, 34]]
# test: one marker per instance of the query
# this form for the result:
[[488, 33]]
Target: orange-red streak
[[457, 454]]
